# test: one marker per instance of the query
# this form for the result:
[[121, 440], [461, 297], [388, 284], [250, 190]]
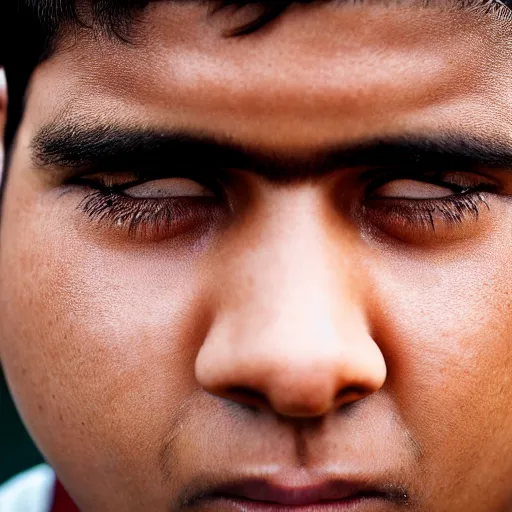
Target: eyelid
[[118, 182], [104, 181], [165, 188], [109, 180], [459, 181], [151, 220], [412, 189]]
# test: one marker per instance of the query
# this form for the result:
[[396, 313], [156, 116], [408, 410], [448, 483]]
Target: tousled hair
[[29, 29]]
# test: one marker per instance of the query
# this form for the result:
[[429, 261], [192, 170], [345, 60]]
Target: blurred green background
[[17, 452]]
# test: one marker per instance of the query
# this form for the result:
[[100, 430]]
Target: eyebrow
[[120, 149]]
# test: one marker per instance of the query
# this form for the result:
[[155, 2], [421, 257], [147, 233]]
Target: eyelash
[[149, 218], [160, 218], [454, 209], [465, 201]]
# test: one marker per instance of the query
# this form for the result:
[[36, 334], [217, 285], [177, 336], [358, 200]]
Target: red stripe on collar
[[61, 501]]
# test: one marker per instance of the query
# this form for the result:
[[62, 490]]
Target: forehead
[[320, 72]]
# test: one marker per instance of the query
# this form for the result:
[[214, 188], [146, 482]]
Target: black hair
[[29, 30]]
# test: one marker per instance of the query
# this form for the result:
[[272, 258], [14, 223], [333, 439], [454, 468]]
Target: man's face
[[260, 273]]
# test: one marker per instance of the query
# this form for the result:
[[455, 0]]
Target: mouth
[[332, 496]]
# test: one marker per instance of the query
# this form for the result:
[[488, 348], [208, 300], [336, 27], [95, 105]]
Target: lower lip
[[355, 504]]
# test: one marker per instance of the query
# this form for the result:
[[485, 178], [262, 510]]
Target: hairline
[[117, 19]]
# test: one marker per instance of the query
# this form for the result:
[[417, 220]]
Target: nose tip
[[294, 387], [312, 393]]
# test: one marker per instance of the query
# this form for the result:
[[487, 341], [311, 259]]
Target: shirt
[[36, 490]]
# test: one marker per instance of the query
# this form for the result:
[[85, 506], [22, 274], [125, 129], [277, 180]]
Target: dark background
[[17, 452]]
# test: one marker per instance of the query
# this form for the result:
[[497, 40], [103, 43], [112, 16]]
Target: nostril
[[256, 400], [247, 396], [349, 395]]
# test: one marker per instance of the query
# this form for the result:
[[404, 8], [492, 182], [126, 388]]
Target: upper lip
[[300, 491]]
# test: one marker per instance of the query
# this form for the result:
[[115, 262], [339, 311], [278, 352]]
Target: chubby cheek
[[105, 356], [443, 322]]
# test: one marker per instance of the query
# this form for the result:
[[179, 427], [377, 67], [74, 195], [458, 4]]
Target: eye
[[424, 185], [412, 189], [153, 208], [428, 207], [166, 188]]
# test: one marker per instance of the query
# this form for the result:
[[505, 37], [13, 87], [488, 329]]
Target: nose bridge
[[295, 271], [290, 327]]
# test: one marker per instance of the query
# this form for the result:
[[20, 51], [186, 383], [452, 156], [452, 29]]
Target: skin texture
[[297, 331]]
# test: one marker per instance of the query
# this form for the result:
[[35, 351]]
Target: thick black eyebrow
[[111, 149]]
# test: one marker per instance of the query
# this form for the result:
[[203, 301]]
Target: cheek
[[444, 327], [106, 352]]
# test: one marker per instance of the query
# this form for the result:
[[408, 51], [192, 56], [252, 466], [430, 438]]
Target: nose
[[290, 333]]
